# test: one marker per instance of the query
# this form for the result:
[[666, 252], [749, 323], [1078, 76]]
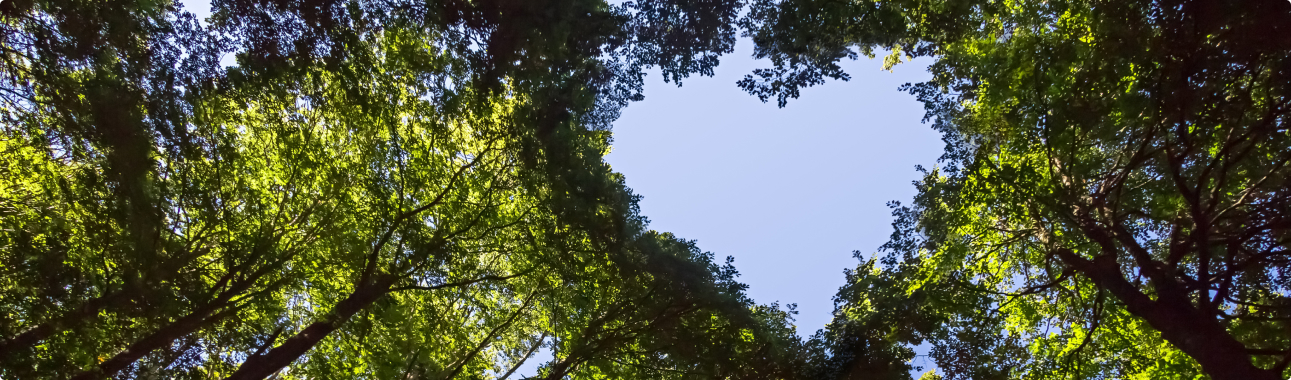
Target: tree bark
[[488, 338], [86, 311], [1205, 340], [199, 318], [262, 366], [559, 370], [524, 358], [161, 338]]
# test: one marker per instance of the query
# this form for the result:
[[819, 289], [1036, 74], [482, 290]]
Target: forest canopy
[[395, 189], [1113, 199], [374, 190]]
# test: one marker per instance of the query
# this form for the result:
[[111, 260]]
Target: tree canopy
[[375, 190], [396, 189], [1113, 200]]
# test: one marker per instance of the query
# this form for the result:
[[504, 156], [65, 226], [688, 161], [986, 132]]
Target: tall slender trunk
[[87, 310], [559, 370], [1183, 325], [158, 339], [262, 366], [33, 336], [218, 308], [524, 358], [489, 338]]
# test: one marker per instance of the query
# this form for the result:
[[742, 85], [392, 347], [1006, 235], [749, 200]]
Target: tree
[[1113, 198], [686, 318], [376, 190]]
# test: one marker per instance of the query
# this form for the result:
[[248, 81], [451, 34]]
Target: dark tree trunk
[[524, 358], [1183, 325], [488, 339], [262, 366], [85, 313], [559, 370], [159, 339], [33, 336], [218, 308]]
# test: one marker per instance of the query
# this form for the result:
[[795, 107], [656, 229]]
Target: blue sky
[[789, 192]]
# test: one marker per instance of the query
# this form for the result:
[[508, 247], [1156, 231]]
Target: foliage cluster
[[378, 189], [1113, 201], [404, 189]]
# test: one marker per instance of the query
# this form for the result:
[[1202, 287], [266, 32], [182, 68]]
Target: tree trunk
[[524, 358], [86, 312], [559, 370], [262, 366], [488, 339], [89, 309], [161, 338], [199, 318], [1187, 328]]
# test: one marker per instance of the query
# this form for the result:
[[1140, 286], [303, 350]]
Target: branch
[[524, 358], [1267, 351], [452, 182], [463, 283], [1089, 336], [488, 339], [268, 342]]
